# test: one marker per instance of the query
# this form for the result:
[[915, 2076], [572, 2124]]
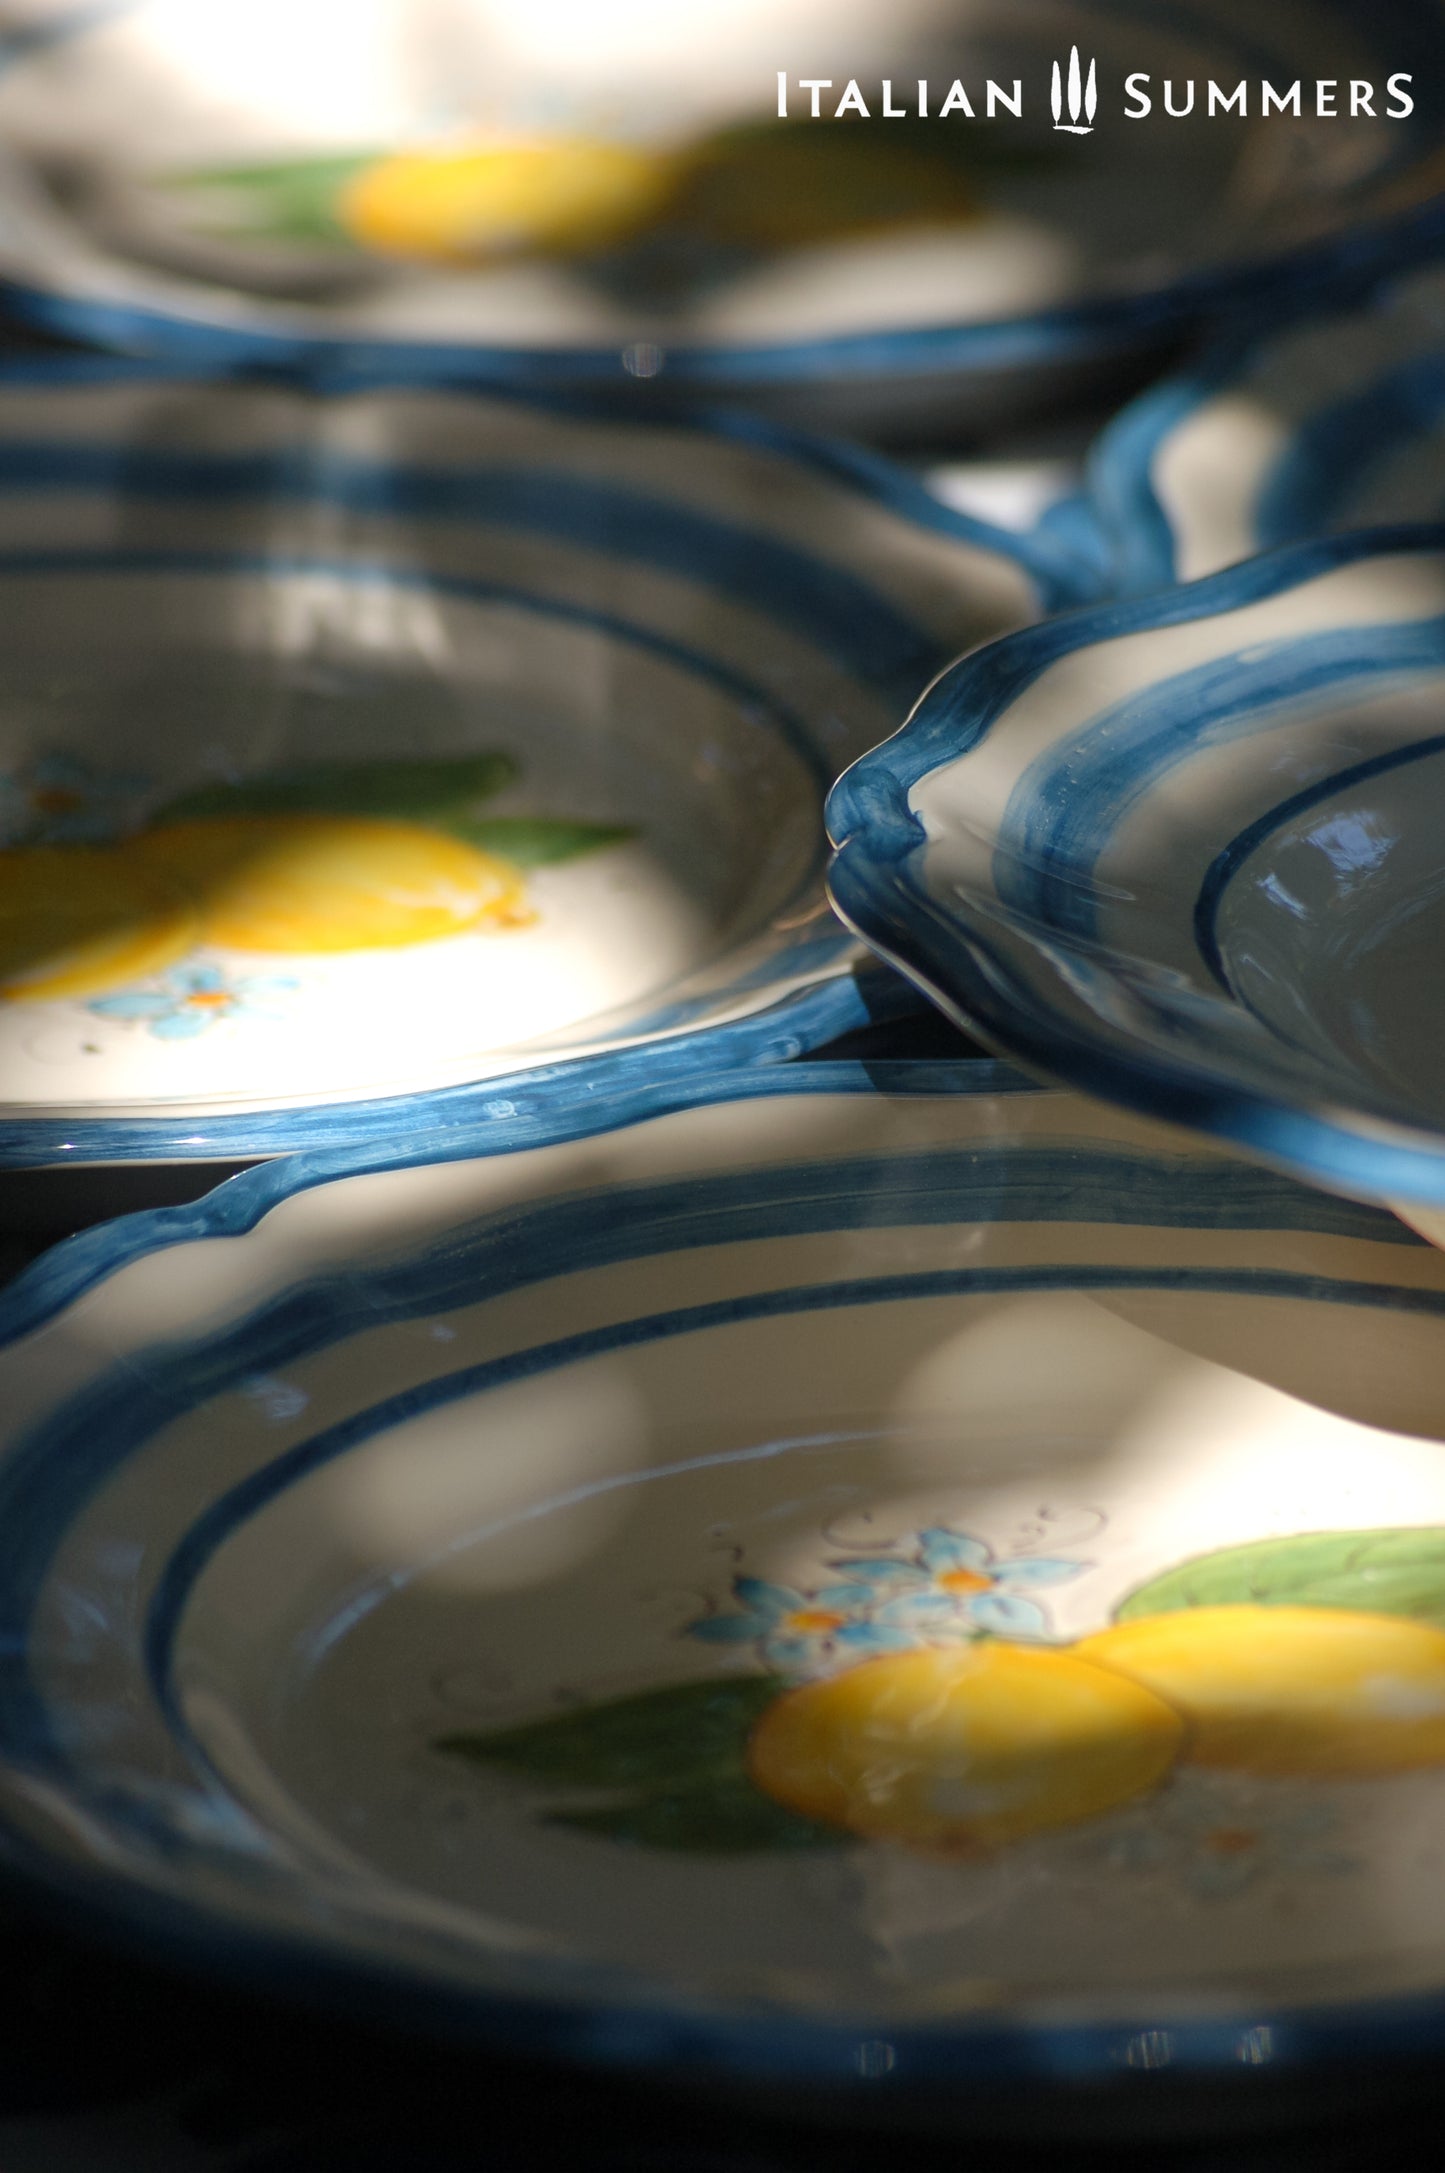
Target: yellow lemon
[[1283, 1690], [474, 202], [332, 883], [963, 1748], [76, 920]]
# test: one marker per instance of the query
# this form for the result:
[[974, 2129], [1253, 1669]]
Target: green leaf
[[539, 841], [673, 1760], [723, 1818], [287, 199], [1387, 1572], [659, 1738], [443, 791]]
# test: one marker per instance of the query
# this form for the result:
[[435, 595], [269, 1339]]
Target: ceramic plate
[[1336, 422], [499, 189], [1185, 852], [772, 1577], [365, 746]]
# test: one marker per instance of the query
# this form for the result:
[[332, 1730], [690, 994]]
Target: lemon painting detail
[[332, 883], [919, 1697], [1291, 1690], [464, 205], [965, 1749], [324, 858], [75, 919]]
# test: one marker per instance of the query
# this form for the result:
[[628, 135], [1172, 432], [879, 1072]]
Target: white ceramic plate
[[563, 696], [251, 177], [1184, 851], [427, 1585]]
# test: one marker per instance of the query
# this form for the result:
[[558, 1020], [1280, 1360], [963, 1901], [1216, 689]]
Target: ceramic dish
[[1185, 851], [1334, 422], [362, 747], [498, 190], [510, 1587]]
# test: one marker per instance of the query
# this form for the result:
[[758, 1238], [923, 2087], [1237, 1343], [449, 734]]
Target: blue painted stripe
[[1333, 450], [1227, 864], [824, 601], [1110, 326], [47, 1476], [231, 1510], [1067, 806], [585, 1098], [793, 727], [1024, 998]]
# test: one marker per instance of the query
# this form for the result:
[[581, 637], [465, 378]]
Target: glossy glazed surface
[[475, 1582], [365, 745], [1185, 851]]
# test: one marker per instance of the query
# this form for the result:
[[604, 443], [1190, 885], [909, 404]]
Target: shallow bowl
[[1185, 851], [253, 184], [620, 662], [414, 1576]]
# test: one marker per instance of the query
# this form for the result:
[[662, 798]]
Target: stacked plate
[[604, 1540]]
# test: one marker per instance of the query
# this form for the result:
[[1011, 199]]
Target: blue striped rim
[[221, 1521], [591, 2014], [590, 1096], [1334, 449], [1065, 808], [60, 1463], [1227, 864], [825, 602], [1058, 336], [1305, 491], [1053, 565], [877, 888]]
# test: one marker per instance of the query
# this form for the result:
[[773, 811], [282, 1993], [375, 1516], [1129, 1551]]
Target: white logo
[[1083, 97]]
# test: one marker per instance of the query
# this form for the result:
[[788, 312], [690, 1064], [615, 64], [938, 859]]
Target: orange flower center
[[205, 996], [1231, 1840], [812, 1620], [964, 1580]]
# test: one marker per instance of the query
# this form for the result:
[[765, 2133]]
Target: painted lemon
[[1291, 1690], [480, 201], [964, 1748], [331, 883], [76, 920]]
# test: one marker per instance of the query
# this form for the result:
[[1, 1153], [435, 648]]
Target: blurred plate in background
[[600, 198]]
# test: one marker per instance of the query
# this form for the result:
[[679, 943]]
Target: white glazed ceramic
[[671, 636], [1184, 851], [401, 1571], [1040, 257], [1331, 423]]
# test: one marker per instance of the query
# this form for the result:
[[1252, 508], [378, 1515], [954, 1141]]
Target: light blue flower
[[188, 1000], [60, 800], [802, 1634], [954, 1585]]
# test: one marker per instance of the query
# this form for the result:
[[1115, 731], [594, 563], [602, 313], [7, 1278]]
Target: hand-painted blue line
[[959, 711], [190, 1557], [1227, 863], [1330, 453], [1025, 1005], [823, 600], [794, 728], [331, 361], [1070, 802]]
